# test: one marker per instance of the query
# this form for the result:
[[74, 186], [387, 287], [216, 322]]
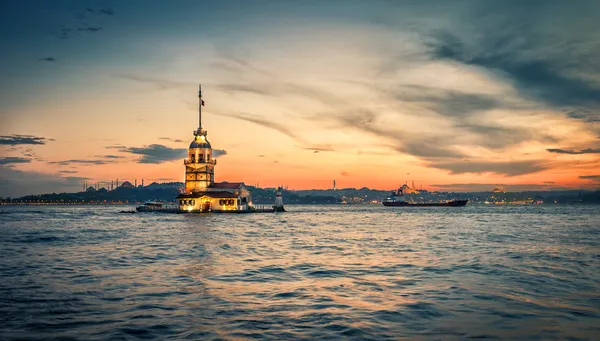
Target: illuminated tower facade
[[199, 165]]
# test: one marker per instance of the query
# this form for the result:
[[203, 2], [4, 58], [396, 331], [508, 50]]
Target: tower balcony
[[198, 162]]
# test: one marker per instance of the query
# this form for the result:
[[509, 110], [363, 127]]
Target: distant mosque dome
[[200, 141], [127, 184]]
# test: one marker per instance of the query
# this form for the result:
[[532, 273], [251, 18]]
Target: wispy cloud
[[508, 168], [584, 115], [12, 160], [89, 29], [595, 178], [574, 152], [115, 146], [22, 139], [80, 22], [171, 139], [541, 61], [81, 162], [101, 11], [110, 156], [319, 148], [280, 127], [158, 83], [47, 59], [156, 153]]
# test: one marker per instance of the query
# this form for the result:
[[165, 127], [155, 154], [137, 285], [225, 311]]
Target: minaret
[[199, 165]]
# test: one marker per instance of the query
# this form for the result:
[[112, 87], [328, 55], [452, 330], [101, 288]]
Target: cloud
[[107, 11], [81, 162], [574, 152], [67, 171], [219, 152], [584, 115], [595, 178], [508, 168], [115, 146], [102, 11], [266, 123], [540, 60], [159, 83], [89, 29], [451, 103], [110, 156], [156, 153], [344, 173], [47, 59], [22, 139], [253, 89], [81, 23], [319, 148], [170, 139], [12, 160], [161, 179]]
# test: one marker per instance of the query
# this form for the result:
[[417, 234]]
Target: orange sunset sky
[[456, 95]]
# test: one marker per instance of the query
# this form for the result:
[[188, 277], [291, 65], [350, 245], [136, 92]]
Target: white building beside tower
[[201, 193]]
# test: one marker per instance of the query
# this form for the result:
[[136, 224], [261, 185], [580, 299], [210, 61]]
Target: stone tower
[[199, 165]]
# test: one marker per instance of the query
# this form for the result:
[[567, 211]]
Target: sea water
[[316, 272]]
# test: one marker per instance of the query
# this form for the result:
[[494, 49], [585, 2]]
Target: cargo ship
[[395, 199]]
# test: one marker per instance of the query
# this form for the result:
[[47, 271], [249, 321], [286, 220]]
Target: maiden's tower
[[202, 193]]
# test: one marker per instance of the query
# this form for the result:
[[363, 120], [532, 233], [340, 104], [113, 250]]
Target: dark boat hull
[[453, 203]]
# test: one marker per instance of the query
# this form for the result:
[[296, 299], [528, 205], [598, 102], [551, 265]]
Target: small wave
[[43, 239], [326, 273], [424, 310]]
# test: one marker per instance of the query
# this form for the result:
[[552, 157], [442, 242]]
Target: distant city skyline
[[459, 95]]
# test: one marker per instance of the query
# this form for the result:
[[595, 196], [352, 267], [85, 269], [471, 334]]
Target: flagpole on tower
[[200, 103]]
